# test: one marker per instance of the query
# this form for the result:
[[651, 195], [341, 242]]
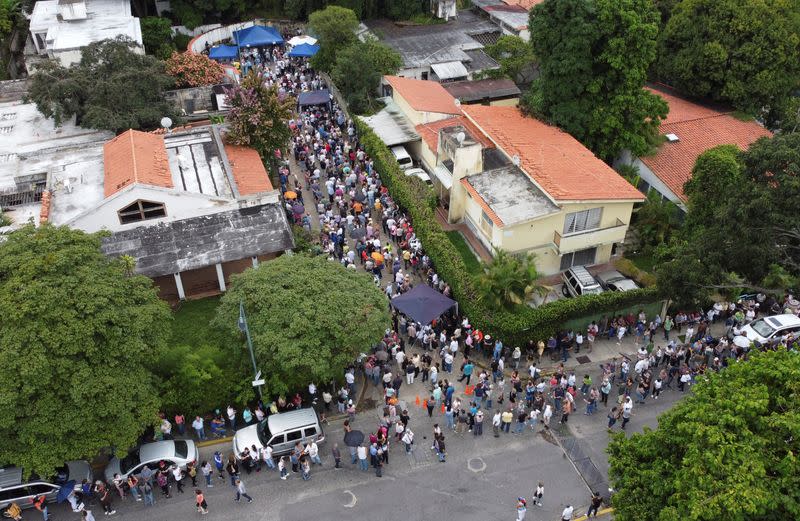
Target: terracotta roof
[[525, 4], [558, 163], [424, 95], [248, 170], [698, 129], [429, 132], [135, 157], [481, 202]]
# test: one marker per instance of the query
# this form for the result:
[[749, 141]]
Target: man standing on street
[[496, 422], [241, 491], [197, 425], [596, 500], [566, 514]]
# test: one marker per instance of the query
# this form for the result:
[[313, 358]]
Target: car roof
[[583, 276], [785, 320], [10, 476], [610, 276], [291, 420], [156, 451]]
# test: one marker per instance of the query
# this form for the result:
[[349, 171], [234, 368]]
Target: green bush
[[515, 326], [181, 41]]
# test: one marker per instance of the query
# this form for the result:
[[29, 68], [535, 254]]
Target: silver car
[[15, 489], [172, 452], [615, 281]]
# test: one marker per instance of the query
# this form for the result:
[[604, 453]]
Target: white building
[[59, 29]]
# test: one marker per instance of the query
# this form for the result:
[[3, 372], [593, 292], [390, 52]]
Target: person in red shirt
[[200, 501], [39, 504]]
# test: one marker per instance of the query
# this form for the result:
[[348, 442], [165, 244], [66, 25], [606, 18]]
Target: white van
[[403, 159], [770, 329], [420, 174], [280, 431]]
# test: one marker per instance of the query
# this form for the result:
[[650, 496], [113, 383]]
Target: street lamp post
[[246, 330]]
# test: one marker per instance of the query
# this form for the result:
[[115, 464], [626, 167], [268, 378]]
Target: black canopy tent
[[315, 97], [423, 304]]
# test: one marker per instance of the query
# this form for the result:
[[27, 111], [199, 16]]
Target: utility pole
[[257, 382]]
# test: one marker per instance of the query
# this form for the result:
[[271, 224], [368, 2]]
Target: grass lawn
[[472, 262], [192, 323], [643, 262]]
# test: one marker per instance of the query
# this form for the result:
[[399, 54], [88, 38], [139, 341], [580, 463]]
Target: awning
[[391, 125], [450, 70], [257, 36], [224, 52], [444, 176], [300, 40], [423, 304]]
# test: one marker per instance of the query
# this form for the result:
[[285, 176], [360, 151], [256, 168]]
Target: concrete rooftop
[[511, 194], [104, 19]]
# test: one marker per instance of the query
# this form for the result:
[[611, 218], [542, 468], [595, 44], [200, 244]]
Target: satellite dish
[[166, 122], [515, 160], [457, 102], [460, 137]]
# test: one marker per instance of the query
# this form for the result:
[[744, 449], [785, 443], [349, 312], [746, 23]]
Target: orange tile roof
[[424, 95], [525, 4], [558, 163], [698, 129], [248, 170], [482, 203], [135, 157], [429, 132]]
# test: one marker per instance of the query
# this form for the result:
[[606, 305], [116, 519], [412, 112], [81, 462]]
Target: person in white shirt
[[313, 452], [566, 514]]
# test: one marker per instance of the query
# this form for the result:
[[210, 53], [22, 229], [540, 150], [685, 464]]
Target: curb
[[601, 512]]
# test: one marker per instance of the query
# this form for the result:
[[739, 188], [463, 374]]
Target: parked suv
[[15, 489], [280, 431], [578, 281]]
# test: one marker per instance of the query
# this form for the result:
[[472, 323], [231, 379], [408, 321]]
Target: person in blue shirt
[[466, 371]]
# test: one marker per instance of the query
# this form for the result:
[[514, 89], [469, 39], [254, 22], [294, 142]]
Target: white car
[[419, 174], [770, 329], [615, 281], [172, 452]]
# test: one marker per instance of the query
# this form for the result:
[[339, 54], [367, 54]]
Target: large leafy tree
[[192, 13], [335, 27], [515, 57], [308, 318], [111, 88], [654, 222], [258, 115], [593, 58], [77, 335], [738, 51], [371, 59], [741, 219], [509, 280], [9, 15], [727, 451], [157, 36]]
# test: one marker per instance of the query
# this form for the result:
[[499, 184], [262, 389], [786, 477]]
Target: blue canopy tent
[[257, 36], [304, 50], [423, 304], [315, 97], [224, 52]]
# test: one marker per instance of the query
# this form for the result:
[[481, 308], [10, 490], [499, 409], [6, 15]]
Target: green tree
[[509, 280], [156, 32], [308, 317], [739, 51], [716, 172], [593, 58], [371, 59], [654, 222], [726, 451], [258, 115], [111, 88], [9, 14], [335, 28], [515, 57], [192, 13], [404, 9], [77, 336]]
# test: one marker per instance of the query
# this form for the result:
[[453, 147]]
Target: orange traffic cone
[[418, 402]]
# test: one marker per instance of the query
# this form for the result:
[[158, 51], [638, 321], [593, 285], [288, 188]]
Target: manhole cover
[[583, 359]]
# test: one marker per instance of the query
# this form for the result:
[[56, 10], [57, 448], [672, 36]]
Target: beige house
[[517, 183]]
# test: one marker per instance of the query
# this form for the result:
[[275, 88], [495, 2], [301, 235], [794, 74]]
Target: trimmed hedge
[[513, 327]]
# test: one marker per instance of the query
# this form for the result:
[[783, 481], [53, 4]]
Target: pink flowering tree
[[194, 70], [258, 116]]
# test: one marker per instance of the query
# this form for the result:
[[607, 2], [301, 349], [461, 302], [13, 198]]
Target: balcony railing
[[589, 238]]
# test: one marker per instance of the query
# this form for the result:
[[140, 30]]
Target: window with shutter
[[582, 221]]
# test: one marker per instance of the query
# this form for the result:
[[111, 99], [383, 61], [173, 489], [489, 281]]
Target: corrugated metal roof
[[391, 125], [450, 70]]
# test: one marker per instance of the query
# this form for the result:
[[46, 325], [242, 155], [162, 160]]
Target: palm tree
[[655, 221], [509, 280]]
